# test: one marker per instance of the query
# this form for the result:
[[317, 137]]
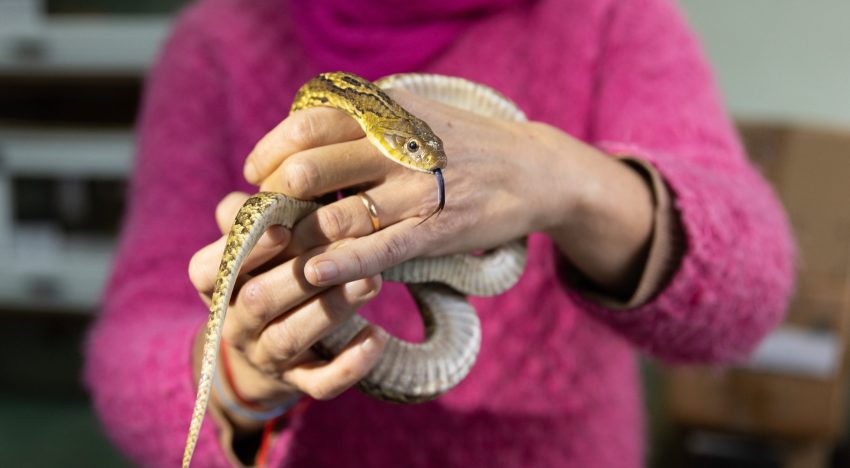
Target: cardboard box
[[765, 404], [768, 402], [810, 169]]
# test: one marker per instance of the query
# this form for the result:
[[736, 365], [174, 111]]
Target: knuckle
[[333, 221], [265, 363], [284, 342], [260, 357], [301, 129], [361, 262], [301, 177], [394, 249], [255, 298]]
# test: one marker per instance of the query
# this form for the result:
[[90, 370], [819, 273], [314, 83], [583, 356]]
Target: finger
[[291, 334], [204, 265], [320, 170], [225, 211], [205, 298], [264, 297], [325, 380], [351, 216], [366, 256], [304, 129], [225, 216]]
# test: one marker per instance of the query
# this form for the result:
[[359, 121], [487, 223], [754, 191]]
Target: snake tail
[[257, 214]]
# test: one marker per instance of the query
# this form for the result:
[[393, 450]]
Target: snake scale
[[407, 372]]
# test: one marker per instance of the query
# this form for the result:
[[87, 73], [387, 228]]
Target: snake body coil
[[406, 372]]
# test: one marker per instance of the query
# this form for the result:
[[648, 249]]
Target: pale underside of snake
[[406, 372]]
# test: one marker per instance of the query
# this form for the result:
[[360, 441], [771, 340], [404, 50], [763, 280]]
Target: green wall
[[779, 59]]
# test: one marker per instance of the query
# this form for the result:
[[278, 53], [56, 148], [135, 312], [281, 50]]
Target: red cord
[[270, 425], [266, 441], [279, 422]]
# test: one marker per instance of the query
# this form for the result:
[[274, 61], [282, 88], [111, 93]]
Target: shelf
[[43, 268], [83, 46], [61, 275], [70, 71], [66, 153]]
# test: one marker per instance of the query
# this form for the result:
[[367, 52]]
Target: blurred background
[[70, 78]]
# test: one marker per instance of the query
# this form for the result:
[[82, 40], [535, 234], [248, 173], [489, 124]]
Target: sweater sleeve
[[656, 100], [138, 356]]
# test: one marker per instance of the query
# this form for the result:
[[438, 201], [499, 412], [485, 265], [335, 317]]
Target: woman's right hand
[[275, 316]]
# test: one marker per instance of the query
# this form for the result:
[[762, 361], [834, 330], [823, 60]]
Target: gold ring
[[373, 211]]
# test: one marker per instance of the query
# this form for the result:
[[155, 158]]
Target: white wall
[[779, 59]]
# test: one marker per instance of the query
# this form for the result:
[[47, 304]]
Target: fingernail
[[273, 236], [250, 172], [359, 288], [325, 271], [370, 345], [277, 234]]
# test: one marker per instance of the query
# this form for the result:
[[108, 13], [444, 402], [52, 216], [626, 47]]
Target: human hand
[[275, 317], [503, 181], [498, 187]]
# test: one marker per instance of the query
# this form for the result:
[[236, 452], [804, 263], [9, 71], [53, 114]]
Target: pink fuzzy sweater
[[556, 382]]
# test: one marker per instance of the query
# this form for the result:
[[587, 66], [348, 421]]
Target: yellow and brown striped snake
[[406, 372]]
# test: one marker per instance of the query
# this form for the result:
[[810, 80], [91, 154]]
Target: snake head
[[411, 143]]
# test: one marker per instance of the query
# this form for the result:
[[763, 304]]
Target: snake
[[406, 372]]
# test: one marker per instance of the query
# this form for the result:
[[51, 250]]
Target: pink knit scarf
[[374, 38]]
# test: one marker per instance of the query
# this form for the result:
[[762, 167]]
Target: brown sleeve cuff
[[665, 249]]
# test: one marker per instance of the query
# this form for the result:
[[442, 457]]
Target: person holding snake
[[647, 230]]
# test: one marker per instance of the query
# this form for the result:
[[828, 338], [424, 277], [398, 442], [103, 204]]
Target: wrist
[[599, 213], [242, 394], [245, 414], [568, 185]]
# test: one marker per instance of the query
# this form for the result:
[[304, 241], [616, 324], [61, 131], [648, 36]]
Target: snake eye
[[412, 146]]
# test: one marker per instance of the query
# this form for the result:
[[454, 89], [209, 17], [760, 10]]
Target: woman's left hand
[[503, 181]]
